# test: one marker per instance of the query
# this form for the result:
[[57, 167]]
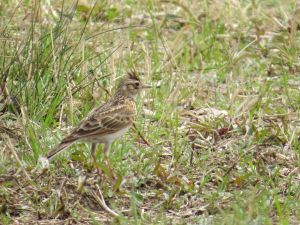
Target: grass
[[222, 117]]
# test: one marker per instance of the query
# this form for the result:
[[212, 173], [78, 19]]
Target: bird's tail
[[59, 148]]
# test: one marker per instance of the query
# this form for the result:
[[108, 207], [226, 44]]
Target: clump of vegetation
[[216, 139]]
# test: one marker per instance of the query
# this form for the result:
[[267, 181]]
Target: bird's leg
[[110, 168], [93, 152], [106, 153]]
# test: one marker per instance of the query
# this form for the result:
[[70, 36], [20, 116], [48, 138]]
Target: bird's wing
[[103, 120]]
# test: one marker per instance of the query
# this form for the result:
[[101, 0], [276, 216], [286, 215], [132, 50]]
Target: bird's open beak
[[146, 86]]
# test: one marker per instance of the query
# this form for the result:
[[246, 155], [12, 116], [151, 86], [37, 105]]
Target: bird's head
[[131, 85]]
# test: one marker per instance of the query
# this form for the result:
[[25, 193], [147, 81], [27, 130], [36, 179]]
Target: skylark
[[107, 122]]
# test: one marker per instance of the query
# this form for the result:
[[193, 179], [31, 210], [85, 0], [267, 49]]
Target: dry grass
[[222, 119]]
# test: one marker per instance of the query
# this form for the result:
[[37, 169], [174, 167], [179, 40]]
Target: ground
[[215, 140]]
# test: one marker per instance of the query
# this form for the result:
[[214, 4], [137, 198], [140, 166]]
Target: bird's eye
[[137, 84]]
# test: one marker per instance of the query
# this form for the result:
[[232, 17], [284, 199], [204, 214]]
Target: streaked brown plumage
[[106, 123]]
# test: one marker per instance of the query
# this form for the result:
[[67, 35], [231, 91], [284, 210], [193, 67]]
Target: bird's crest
[[133, 75]]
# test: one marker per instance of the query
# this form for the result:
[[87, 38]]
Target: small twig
[[280, 115], [192, 154], [290, 141], [62, 184], [245, 47], [44, 171], [107, 91], [204, 139], [141, 136], [101, 201], [61, 115], [228, 171]]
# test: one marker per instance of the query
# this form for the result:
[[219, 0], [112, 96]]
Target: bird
[[107, 122]]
